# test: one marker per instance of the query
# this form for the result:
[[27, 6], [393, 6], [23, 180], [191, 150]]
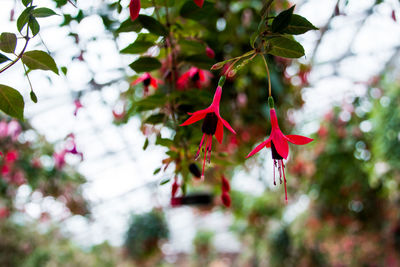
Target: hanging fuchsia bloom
[[147, 80], [134, 8], [199, 3], [212, 124], [279, 144], [200, 78]]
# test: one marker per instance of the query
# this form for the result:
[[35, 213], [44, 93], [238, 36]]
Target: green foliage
[[144, 233], [37, 59], [145, 64], [8, 42], [11, 102]]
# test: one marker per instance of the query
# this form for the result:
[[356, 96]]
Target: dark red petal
[[219, 133], [280, 142], [134, 8], [259, 147], [225, 184], [199, 3], [198, 115], [298, 139], [174, 189], [226, 199]]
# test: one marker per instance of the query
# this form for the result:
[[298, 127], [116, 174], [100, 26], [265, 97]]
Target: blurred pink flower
[[78, 106], [59, 159], [200, 78]]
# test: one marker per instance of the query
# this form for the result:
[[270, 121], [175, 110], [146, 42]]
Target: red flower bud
[[134, 8], [210, 53], [175, 187], [226, 199], [225, 184], [199, 3]]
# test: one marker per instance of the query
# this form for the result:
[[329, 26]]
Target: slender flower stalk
[[213, 124], [278, 142]]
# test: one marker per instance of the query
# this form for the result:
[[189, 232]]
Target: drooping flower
[[278, 142], [213, 124], [199, 3], [198, 77], [209, 52], [147, 80], [134, 8], [175, 187]]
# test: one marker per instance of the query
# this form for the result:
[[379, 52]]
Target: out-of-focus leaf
[[152, 25], [299, 25], [145, 64], [282, 20], [190, 10], [191, 47], [33, 96], [164, 141], [156, 171], [37, 59], [200, 61], [11, 102], [129, 26], [146, 144], [284, 47], [164, 181], [137, 47], [26, 2], [155, 118], [8, 42]]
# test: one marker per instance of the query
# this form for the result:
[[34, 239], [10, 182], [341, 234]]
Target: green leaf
[[152, 25], [8, 42], [145, 64], [164, 141], [43, 12], [166, 180], [284, 47], [11, 102], [193, 47], [34, 25], [33, 96], [26, 2], [37, 59], [299, 25], [200, 61], [156, 171], [146, 144], [282, 20], [24, 18], [191, 11], [129, 26], [64, 70], [155, 118], [137, 47], [3, 58]]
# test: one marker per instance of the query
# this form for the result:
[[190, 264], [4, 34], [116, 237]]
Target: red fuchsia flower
[[78, 106], [199, 3], [394, 16], [147, 80], [134, 8], [200, 78], [213, 124], [279, 144], [225, 184], [209, 52], [226, 199]]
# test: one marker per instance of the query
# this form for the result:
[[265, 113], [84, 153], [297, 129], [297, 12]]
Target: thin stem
[[18, 57], [156, 10], [269, 78], [27, 76]]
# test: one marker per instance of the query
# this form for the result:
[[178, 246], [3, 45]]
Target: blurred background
[[86, 179]]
